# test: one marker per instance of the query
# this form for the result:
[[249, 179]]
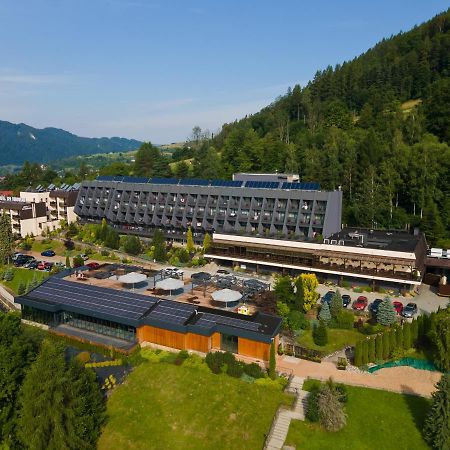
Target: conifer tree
[[206, 242], [324, 313], [392, 340], [272, 362], [379, 347], [386, 314], [437, 424], [190, 246], [358, 354], [386, 344], [407, 342], [372, 350], [336, 304], [67, 262], [365, 352], [414, 332], [399, 338], [6, 239], [21, 289], [320, 334]]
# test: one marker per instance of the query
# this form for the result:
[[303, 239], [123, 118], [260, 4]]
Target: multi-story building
[[300, 211], [40, 209]]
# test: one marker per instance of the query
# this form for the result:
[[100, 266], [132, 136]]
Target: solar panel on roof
[[135, 179], [118, 178], [158, 180], [226, 183], [207, 320], [105, 178], [194, 182], [304, 186], [262, 184]]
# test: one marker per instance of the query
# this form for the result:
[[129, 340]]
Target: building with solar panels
[[249, 204], [123, 319]]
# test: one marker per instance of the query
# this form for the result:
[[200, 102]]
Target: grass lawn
[[23, 276], [376, 420], [164, 406], [337, 339]]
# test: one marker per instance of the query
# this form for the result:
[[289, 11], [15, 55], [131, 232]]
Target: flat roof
[[129, 308], [393, 240]]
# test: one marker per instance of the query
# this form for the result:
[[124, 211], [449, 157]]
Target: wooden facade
[[200, 343]]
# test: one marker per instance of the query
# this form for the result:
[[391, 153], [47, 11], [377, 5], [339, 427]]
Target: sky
[[154, 69]]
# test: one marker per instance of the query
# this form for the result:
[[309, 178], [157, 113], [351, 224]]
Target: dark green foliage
[[284, 290], [365, 352], [312, 408], [67, 262], [336, 306], [235, 369], [407, 339], [9, 275], [320, 334], [22, 288], [150, 162], [325, 314], [372, 350], [253, 370], [214, 361], [345, 320], [159, 244], [358, 354], [437, 424], [272, 362], [132, 245], [298, 321], [436, 107], [379, 347], [392, 341], [399, 338], [182, 355], [386, 314], [112, 239], [60, 403], [439, 335], [298, 295], [77, 261], [386, 344]]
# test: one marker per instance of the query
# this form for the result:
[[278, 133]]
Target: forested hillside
[[357, 126]]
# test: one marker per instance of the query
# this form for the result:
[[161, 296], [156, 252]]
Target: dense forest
[[378, 127]]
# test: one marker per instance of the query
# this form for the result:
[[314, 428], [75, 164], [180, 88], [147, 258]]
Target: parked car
[[84, 257], [327, 297], [346, 300], [41, 265], [16, 254], [48, 253], [48, 266], [360, 303], [32, 264], [21, 260], [375, 305], [410, 310], [398, 306], [223, 271], [93, 265]]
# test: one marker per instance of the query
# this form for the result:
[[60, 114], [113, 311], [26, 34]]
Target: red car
[[360, 304], [41, 265], [93, 265], [398, 306]]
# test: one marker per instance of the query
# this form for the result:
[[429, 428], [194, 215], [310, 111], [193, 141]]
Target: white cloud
[[17, 78]]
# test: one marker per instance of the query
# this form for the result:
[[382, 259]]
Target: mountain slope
[[21, 142]]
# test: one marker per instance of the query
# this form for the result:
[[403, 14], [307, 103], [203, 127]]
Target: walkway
[[283, 417], [404, 380]]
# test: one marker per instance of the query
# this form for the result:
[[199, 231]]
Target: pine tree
[[372, 350], [392, 340], [407, 341], [365, 352], [206, 242], [358, 354], [34, 283], [190, 246], [414, 332], [379, 347], [386, 314], [437, 424], [336, 304], [320, 334], [272, 362], [67, 262], [399, 338], [387, 344], [324, 313], [21, 289]]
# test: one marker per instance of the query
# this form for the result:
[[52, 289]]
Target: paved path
[[404, 380], [280, 426]]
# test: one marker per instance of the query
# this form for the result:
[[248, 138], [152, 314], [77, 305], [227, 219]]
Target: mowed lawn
[[24, 276], [164, 406], [376, 420], [337, 339]]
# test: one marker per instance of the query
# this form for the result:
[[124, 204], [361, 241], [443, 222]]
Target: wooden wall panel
[[215, 340], [161, 337], [254, 349], [197, 342]]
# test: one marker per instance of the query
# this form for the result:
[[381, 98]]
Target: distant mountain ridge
[[21, 142]]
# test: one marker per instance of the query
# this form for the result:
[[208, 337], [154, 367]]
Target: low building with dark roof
[[141, 318]]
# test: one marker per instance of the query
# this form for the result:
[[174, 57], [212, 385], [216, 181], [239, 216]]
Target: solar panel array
[[208, 320], [262, 184], [226, 183], [304, 186], [172, 312], [301, 186], [193, 182], [94, 299]]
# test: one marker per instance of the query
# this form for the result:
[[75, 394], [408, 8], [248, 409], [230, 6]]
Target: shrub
[[325, 314], [320, 334], [331, 411], [21, 289], [77, 261], [214, 361], [372, 351], [297, 321], [104, 253], [235, 369], [336, 304], [312, 408], [345, 320], [253, 370], [9, 275], [272, 362], [83, 357]]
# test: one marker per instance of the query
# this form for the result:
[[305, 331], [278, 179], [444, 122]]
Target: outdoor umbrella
[[132, 278], [226, 296], [170, 284]]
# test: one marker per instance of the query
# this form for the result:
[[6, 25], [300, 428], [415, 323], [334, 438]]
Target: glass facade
[[229, 343], [84, 322]]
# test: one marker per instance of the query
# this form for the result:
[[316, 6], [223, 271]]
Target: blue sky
[[152, 69]]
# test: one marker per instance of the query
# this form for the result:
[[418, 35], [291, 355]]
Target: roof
[[393, 240], [129, 308]]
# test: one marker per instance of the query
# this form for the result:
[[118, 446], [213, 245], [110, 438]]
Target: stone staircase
[[283, 417]]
